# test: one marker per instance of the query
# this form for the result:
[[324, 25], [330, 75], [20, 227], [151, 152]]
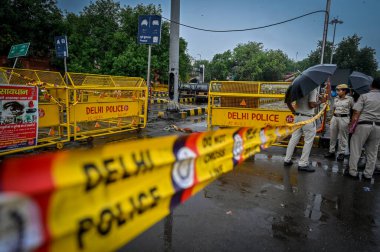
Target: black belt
[[300, 114], [369, 123], [341, 115]]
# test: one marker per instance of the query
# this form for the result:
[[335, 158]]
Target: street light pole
[[334, 22], [327, 14], [200, 56]]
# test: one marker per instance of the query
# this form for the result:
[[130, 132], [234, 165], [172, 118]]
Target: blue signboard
[[149, 30], [61, 46]]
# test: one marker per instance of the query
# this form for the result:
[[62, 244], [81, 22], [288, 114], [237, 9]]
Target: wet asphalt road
[[263, 206]]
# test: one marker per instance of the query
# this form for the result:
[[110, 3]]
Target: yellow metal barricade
[[247, 104], [103, 104], [53, 121]]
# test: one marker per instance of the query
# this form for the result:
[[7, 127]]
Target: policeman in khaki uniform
[[304, 111], [339, 122], [367, 133]]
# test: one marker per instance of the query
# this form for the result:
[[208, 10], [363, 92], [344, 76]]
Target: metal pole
[[327, 14], [174, 44], [203, 74], [64, 62], [148, 76], [14, 65], [335, 21], [332, 48]]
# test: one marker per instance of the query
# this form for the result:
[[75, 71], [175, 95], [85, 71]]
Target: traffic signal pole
[[174, 50]]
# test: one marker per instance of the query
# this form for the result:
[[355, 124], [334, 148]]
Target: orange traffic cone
[[51, 132], [119, 123], [97, 125]]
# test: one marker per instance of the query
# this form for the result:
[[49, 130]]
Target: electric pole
[[334, 22], [174, 50], [327, 14]]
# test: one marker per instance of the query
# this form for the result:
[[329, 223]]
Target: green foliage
[[102, 37], [220, 67], [105, 39], [347, 55], [250, 62], [35, 21]]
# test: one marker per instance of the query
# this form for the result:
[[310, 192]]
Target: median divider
[[100, 199], [194, 112]]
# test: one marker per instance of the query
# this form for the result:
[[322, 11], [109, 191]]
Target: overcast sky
[[297, 38]]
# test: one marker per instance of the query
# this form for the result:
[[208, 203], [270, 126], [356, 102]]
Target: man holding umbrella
[[367, 133], [304, 91]]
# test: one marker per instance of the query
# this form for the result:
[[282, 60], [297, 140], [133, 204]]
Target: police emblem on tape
[[238, 147], [20, 224], [183, 170]]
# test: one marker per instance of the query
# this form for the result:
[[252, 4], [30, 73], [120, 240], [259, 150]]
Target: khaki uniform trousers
[[339, 130], [370, 136], [309, 131]]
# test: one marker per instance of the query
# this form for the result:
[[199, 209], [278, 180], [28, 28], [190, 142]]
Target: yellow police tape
[[98, 200]]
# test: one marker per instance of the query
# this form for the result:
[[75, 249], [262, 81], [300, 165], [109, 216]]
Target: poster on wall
[[18, 116]]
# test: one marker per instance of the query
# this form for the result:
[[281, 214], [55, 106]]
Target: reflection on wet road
[[263, 206]]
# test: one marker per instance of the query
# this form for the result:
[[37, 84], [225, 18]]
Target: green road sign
[[18, 50]]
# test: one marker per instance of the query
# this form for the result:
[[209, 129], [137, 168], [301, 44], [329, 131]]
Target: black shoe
[[330, 155], [288, 163], [340, 157], [347, 174], [366, 179], [307, 168]]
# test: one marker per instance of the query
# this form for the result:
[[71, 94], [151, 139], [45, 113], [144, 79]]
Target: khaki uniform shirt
[[343, 105], [302, 105], [369, 106]]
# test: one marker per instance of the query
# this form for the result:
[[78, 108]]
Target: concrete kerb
[[193, 112], [162, 100]]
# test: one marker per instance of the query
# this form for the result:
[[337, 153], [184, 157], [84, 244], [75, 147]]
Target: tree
[[221, 66], [250, 62], [347, 55], [34, 21], [274, 65], [248, 57], [103, 39]]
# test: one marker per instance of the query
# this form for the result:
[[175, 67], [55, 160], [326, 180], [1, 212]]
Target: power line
[[247, 29]]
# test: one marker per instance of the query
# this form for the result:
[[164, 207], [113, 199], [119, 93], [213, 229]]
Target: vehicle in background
[[194, 89]]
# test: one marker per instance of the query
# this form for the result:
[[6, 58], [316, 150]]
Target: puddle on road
[[288, 227], [335, 168], [269, 157], [321, 207]]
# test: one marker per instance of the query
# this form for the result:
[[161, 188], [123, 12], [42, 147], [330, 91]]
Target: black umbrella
[[310, 79], [340, 77], [360, 82]]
